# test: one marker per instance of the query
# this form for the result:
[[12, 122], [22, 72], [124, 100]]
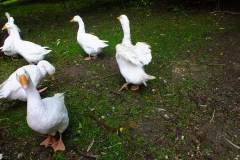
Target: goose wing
[[139, 55], [93, 41]]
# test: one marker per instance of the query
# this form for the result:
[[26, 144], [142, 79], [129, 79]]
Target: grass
[[172, 36]]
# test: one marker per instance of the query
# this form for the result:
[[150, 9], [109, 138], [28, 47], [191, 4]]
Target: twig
[[211, 120], [230, 142], [119, 143], [89, 156], [216, 64], [90, 145], [226, 12]]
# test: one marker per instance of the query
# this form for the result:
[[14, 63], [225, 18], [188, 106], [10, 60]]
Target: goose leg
[[135, 88], [59, 145], [42, 90], [94, 57], [48, 141], [13, 58], [88, 58], [124, 86]]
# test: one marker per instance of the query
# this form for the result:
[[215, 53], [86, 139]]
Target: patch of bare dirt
[[221, 98]]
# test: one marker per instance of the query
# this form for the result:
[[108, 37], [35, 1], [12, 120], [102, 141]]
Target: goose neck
[[34, 101], [126, 34], [81, 27]]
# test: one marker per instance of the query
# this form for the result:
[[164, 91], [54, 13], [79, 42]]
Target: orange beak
[[4, 27], [23, 81]]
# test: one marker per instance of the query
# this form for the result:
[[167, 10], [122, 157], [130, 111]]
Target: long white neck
[[34, 101], [126, 33], [81, 27], [14, 32]]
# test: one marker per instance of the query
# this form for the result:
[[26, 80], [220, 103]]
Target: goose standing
[[132, 58], [45, 116], [12, 90], [31, 52], [8, 48], [91, 44]]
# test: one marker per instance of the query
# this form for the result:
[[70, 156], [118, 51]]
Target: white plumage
[[91, 44], [48, 115], [12, 90], [45, 116], [31, 52], [8, 48], [132, 58]]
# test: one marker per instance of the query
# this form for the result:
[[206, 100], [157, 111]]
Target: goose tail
[[47, 52], [149, 77], [60, 96]]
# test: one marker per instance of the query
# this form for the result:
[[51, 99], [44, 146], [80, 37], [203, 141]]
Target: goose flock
[[49, 115]]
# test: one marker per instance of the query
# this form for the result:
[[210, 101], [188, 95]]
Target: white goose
[[91, 44], [45, 116], [31, 52], [12, 90], [8, 47], [132, 58]]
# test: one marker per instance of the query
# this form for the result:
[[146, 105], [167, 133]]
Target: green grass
[[171, 35]]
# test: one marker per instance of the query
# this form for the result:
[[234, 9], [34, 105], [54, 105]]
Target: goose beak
[[23, 81], [71, 20], [118, 18], [4, 27]]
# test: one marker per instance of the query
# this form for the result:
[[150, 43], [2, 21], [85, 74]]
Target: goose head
[[8, 26], [76, 18], [11, 27], [123, 19], [46, 68], [23, 78], [126, 29]]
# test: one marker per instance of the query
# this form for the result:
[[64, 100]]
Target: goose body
[[131, 58], [12, 90], [48, 115], [31, 52], [91, 44], [45, 116], [8, 48]]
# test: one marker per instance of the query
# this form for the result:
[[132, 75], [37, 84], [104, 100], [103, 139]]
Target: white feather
[[8, 47], [12, 90], [48, 115], [91, 44], [131, 59], [31, 52]]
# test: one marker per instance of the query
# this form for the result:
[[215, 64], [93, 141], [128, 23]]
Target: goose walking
[[31, 52], [45, 116], [131, 58], [91, 44], [8, 46]]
